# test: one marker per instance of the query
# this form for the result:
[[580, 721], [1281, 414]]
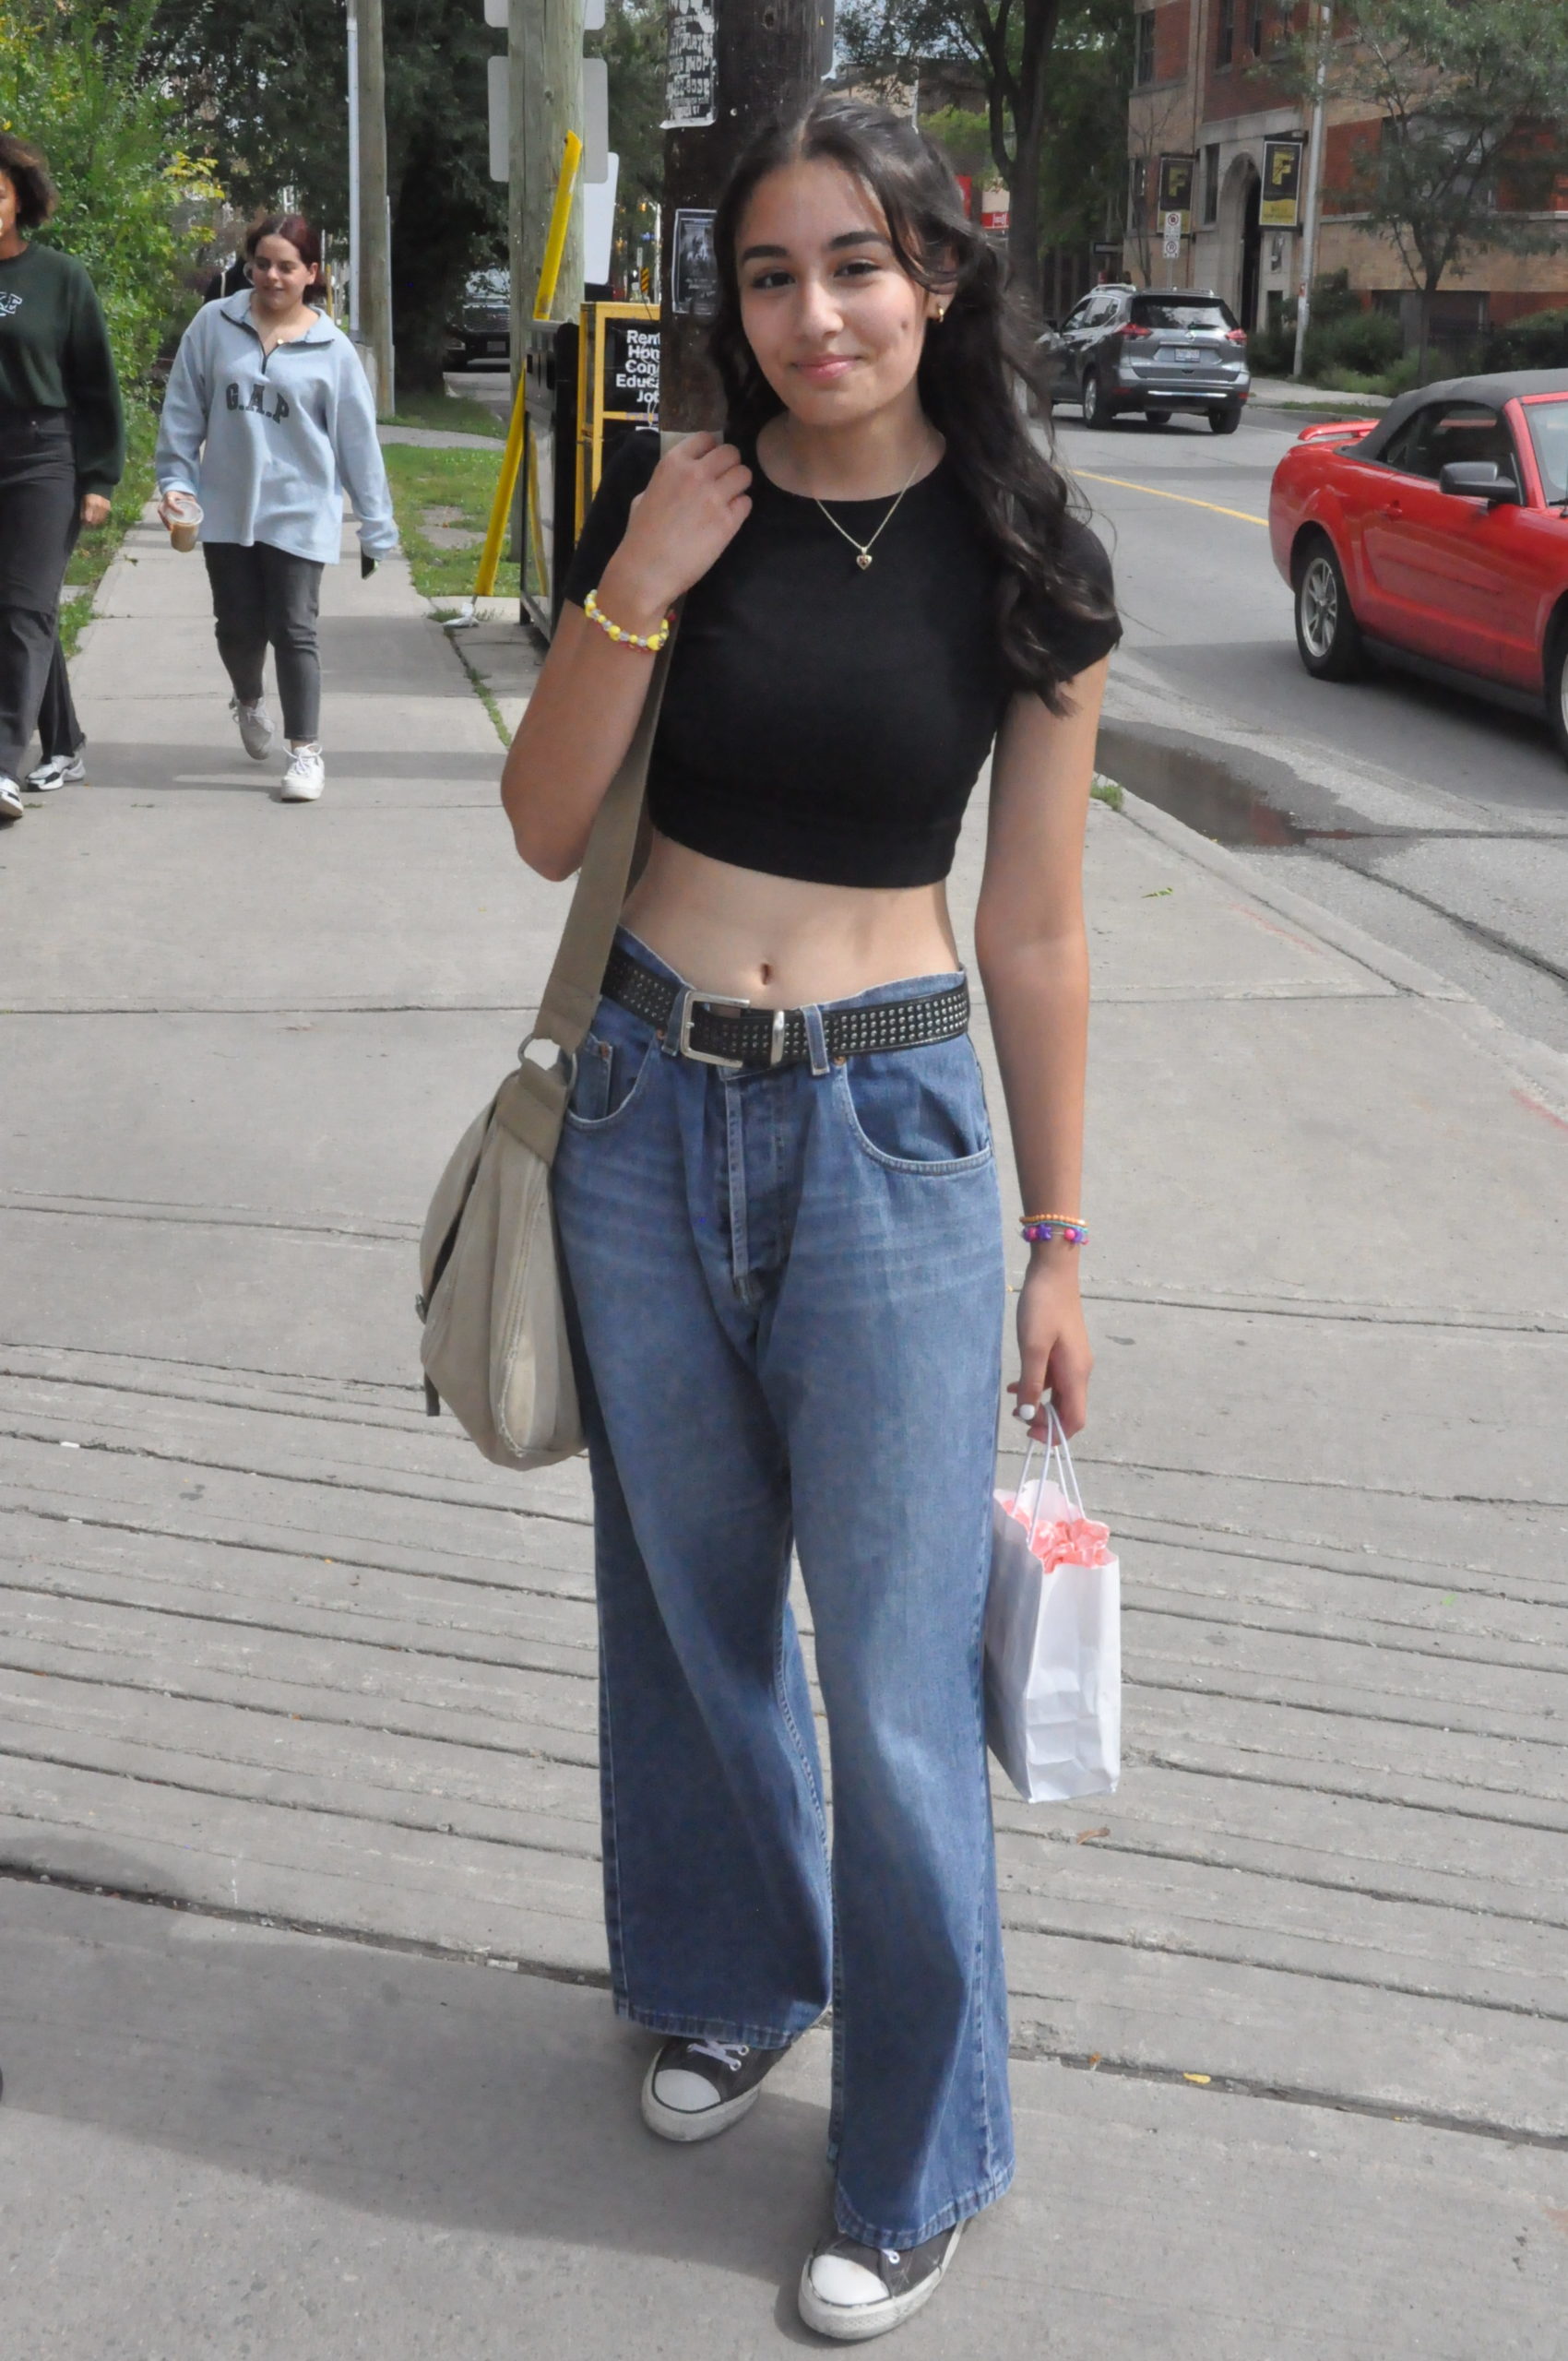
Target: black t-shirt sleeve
[[1082, 640], [627, 474]]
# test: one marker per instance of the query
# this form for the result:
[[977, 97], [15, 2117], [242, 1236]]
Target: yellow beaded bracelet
[[653, 642]]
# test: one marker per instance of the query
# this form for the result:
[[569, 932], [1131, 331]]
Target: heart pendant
[[863, 560]]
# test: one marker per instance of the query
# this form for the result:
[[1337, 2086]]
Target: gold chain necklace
[[863, 548]]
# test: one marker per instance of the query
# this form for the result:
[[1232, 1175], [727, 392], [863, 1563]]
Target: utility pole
[[373, 228], [731, 64], [544, 50], [1314, 189]]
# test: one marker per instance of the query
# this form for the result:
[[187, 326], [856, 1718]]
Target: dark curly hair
[[29, 175], [976, 370]]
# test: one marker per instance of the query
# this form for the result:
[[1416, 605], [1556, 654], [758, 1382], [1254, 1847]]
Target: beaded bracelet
[[1040, 1229], [652, 642]]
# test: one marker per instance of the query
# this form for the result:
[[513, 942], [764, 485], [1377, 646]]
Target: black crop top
[[820, 721]]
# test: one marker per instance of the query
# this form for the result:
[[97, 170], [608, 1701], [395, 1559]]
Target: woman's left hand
[[1054, 1358], [95, 509]]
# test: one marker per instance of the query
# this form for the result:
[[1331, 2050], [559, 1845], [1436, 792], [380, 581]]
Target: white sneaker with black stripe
[[60, 770], [12, 807]]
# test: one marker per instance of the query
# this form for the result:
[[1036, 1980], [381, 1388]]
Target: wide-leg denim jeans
[[788, 1291]]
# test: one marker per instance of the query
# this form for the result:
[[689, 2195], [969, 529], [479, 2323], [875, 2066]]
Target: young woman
[[61, 452], [775, 1193], [266, 417]]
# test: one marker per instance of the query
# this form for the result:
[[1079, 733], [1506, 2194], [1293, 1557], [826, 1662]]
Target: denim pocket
[[919, 1111], [610, 1067]]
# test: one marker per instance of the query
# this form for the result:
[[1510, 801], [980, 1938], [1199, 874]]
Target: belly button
[[765, 973]]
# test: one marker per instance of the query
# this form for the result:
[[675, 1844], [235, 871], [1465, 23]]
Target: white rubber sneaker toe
[[305, 778], [256, 728]]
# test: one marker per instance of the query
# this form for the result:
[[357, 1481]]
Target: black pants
[[261, 598], [39, 517]]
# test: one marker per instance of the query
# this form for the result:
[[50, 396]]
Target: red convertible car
[[1436, 537]]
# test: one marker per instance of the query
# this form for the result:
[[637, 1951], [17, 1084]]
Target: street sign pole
[[373, 228], [1314, 190], [731, 64]]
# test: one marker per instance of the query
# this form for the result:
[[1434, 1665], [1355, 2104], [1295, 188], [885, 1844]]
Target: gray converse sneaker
[[305, 778], [11, 805], [695, 2090], [60, 770], [851, 2292], [256, 726]]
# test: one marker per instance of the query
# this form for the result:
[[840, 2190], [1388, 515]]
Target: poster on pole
[[1176, 188], [694, 266], [1281, 199], [691, 85]]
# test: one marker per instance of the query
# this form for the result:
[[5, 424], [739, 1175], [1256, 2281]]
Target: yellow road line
[[1122, 485]]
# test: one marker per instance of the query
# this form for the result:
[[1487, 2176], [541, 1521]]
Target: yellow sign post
[[511, 458]]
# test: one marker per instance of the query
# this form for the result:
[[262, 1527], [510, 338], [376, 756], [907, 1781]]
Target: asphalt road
[[1438, 821]]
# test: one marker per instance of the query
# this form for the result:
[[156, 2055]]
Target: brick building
[[1199, 94]]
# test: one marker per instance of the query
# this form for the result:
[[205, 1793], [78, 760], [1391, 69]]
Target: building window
[[1225, 34], [1143, 62], [1211, 186], [1255, 27], [1137, 191]]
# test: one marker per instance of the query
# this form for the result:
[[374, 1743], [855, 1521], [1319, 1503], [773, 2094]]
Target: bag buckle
[[706, 1000]]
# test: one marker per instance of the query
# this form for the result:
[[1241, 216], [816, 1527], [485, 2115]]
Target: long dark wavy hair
[[977, 371]]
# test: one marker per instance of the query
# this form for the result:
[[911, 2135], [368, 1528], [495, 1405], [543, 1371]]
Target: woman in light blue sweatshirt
[[266, 418]]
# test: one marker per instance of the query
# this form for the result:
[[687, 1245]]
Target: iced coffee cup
[[181, 514]]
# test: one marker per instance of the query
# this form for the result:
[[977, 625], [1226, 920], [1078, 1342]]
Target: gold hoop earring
[[941, 314]]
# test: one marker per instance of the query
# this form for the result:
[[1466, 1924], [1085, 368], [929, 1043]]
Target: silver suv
[[1157, 349]]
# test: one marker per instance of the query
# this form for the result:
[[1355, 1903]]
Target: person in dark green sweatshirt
[[61, 452]]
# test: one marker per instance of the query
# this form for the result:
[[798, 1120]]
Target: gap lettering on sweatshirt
[[258, 402]]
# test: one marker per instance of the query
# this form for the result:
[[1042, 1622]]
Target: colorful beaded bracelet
[[653, 641], [1040, 1229]]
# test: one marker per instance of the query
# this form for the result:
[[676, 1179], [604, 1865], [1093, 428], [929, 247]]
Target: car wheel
[[1226, 419], [1097, 410], [1557, 687], [1158, 417], [1327, 633]]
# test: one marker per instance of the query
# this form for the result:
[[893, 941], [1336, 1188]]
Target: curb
[[1540, 1071]]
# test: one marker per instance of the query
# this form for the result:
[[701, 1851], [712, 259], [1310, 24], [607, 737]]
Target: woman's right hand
[[695, 502]]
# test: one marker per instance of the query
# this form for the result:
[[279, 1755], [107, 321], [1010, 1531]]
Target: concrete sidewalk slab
[[273, 1646], [300, 2148]]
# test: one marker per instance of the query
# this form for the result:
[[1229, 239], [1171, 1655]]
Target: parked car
[[480, 336], [1437, 536], [1154, 349]]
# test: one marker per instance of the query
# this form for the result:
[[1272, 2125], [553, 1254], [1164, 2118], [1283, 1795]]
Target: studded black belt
[[720, 1031]]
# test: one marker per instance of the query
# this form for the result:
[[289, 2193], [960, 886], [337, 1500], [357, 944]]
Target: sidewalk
[[290, 1664]]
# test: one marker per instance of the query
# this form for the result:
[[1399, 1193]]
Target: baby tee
[[822, 721]]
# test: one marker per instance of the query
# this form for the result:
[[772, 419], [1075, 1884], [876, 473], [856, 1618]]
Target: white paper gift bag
[[1053, 1638]]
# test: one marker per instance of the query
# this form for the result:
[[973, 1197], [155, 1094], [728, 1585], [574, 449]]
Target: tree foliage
[[134, 205], [272, 82], [1470, 98], [1055, 74]]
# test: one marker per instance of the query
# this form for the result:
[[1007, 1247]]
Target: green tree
[[1008, 44], [1470, 99], [133, 205], [271, 84]]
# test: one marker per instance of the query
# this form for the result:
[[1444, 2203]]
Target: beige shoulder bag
[[495, 1343]]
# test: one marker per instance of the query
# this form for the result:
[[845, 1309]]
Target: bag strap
[[572, 993]]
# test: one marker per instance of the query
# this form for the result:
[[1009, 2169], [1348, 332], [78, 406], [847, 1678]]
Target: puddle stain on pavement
[[1271, 809]]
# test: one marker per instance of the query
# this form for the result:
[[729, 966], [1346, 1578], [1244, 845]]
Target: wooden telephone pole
[[731, 64], [544, 101], [373, 230]]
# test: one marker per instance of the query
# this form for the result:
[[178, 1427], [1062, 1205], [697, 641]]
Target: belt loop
[[816, 1039], [675, 1022]]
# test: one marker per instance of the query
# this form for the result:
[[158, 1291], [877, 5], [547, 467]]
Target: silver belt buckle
[[706, 1000]]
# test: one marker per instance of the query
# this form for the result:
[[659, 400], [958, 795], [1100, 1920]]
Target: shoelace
[[728, 2053]]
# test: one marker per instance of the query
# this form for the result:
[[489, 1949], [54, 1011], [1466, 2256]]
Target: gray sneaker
[[853, 2293], [256, 728], [11, 805], [60, 770]]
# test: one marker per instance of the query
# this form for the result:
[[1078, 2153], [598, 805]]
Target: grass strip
[[95, 551], [450, 414], [461, 480], [1106, 790]]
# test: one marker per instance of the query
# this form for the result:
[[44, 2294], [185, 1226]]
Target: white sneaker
[[256, 728], [305, 778], [60, 770], [11, 805]]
